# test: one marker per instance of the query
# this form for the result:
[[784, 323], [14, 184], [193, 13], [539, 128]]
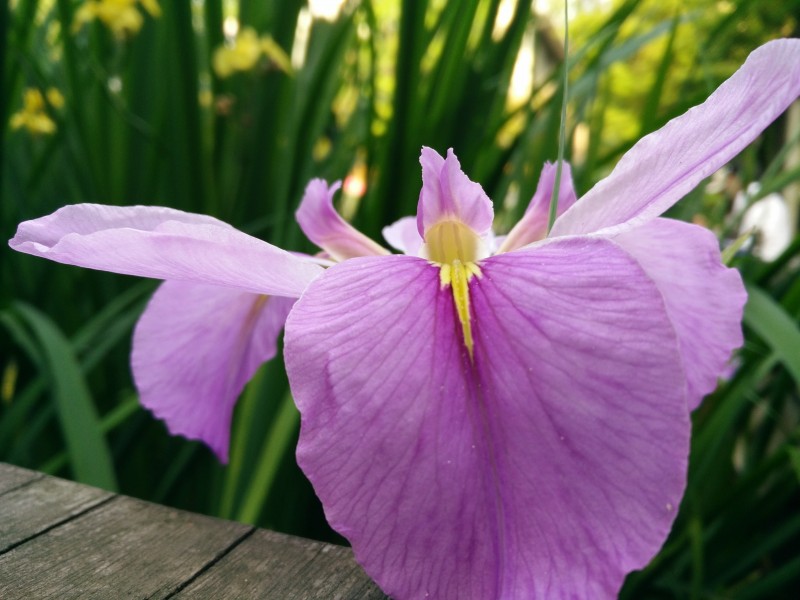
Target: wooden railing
[[60, 539]]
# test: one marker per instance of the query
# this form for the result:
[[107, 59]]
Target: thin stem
[[562, 134]]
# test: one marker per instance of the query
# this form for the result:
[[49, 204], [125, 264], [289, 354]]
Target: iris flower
[[481, 417], [121, 16], [245, 51], [33, 115]]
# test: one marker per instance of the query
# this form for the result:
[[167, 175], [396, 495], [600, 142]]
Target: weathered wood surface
[[60, 540]]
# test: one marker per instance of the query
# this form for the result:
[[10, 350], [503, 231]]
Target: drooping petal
[[403, 235], [547, 468], [532, 227], [164, 244], [666, 165], [327, 229], [448, 194], [704, 299], [195, 347]]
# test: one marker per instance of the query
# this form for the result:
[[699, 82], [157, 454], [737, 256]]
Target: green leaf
[[278, 442], [729, 253], [778, 329], [794, 459], [562, 128], [86, 444], [111, 420]]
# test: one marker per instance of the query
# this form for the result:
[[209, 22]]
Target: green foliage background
[[147, 121]]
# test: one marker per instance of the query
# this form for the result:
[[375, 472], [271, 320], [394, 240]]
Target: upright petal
[[164, 244], [448, 194], [532, 227], [327, 229], [403, 235], [667, 164], [195, 347], [704, 299], [548, 466]]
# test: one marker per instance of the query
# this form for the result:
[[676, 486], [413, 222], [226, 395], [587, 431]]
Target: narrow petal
[[532, 227], [448, 194], [704, 299], [327, 229], [403, 235], [547, 467], [667, 164], [164, 244], [195, 347]]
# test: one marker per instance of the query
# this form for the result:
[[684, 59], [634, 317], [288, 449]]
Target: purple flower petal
[[532, 227], [667, 164], [164, 244], [448, 194], [403, 235], [704, 299], [194, 348], [327, 229], [547, 468]]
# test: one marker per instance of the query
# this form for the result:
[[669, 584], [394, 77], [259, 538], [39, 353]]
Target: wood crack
[[59, 523], [209, 565], [23, 484]]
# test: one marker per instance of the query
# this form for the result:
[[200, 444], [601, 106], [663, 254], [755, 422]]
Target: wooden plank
[[273, 565], [334, 573], [62, 540], [125, 548], [31, 509], [12, 477]]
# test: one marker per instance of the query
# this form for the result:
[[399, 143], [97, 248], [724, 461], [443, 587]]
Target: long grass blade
[[562, 130], [771, 322], [277, 443], [89, 454]]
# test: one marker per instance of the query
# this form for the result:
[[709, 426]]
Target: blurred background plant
[[229, 107]]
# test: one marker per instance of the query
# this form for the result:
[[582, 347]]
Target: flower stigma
[[455, 248]]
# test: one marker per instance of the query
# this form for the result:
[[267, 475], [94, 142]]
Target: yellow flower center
[[449, 241], [455, 247]]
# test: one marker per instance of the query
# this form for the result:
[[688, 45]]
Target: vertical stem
[[562, 134], [277, 443], [792, 191]]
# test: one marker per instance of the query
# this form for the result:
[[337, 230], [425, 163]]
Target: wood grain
[[62, 540], [12, 477], [31, 509], [271, 565]]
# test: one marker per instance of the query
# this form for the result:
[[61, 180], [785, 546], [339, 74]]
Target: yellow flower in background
[[275, 53], [246, 51], [152, 7], [33, 115], [55, 98], [122, 17], [242, 55]]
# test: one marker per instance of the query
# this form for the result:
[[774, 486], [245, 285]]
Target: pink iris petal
[[704, 299], [403, 235], [447, 193], [495, 242], [194, 348], [666, 165], [164, 244], [327, 229], [547, 468], [532, 227]]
